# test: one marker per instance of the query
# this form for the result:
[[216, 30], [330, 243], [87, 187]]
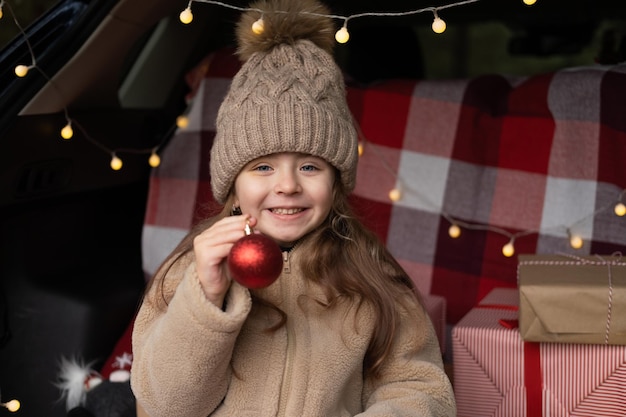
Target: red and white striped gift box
[[497, 374]]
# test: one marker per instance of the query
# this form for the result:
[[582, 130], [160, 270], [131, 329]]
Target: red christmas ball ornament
[[255, 260]]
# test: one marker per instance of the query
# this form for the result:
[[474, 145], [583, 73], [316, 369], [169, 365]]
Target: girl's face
[[290, 194]]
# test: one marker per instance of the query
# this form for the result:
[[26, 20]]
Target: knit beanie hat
[[288, 96]]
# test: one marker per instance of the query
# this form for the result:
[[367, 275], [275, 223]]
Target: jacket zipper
[[286, 263], [286, 384], [286, 259]]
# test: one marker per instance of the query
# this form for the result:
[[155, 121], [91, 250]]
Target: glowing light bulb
[[258, 27], [454, 231], [576, 242], [116, 163], [395, 194], [342, 35], [67, 132], [360, 148], [620, 209], [508, 250], [529, 2], [12, 405], [155, 160], [438, 26], [1, 13], [182, 121], [21, 70], [186, 16]]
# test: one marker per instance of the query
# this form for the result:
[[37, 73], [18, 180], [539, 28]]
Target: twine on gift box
[[610, 302], [617, 256]]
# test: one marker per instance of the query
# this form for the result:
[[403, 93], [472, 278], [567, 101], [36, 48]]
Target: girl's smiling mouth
[[286, 210]]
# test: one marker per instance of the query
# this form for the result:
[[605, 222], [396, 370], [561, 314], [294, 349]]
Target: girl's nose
[[287, 183]]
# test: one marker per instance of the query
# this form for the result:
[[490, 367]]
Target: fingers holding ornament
[[211, 248]]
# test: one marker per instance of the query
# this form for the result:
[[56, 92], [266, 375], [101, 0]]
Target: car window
[[23, 13]]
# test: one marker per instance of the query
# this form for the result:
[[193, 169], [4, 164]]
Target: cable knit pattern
[[312, 367], [288, 98]]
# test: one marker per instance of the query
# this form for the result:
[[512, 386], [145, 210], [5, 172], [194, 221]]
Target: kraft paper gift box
[[572, 299], [497, 374]]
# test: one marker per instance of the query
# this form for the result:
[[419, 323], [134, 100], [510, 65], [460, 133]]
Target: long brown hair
[[345, 258], [350, 261]]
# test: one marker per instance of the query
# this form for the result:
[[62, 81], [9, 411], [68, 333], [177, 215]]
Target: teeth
[[286, 211]]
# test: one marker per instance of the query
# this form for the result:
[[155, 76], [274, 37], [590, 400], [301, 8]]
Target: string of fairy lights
[[341, 36], [186, 17]]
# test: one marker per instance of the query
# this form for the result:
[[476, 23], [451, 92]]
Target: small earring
[[235, 211]]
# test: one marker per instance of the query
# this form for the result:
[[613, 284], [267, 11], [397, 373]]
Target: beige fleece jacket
[[196, 360]]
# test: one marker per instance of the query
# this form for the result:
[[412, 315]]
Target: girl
[[341, 332]]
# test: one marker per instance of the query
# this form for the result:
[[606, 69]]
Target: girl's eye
[[309, 168], [263, 168]]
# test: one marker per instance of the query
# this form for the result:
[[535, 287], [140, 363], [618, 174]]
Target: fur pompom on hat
[[288, 96]]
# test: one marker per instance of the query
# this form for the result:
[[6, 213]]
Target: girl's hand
[[211, 248]]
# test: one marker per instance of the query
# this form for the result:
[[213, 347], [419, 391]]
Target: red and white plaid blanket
[[538, 156]]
